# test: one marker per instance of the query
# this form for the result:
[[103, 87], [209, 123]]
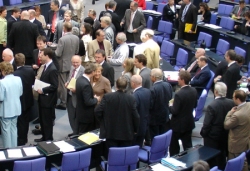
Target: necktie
[[38, 60], [53, 27], [44, 68], [184, 13], [198, 71], [73, 73], [239, 12], [39, 72], [191, 66]]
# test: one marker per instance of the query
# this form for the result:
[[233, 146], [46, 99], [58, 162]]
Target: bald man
[[22, 37], [142, 98], [8, 56], [35, 21]]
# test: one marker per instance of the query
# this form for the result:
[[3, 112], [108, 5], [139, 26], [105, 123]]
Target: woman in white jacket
[[86, 38]]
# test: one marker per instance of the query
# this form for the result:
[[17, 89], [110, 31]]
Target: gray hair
[[137, 79], [200, 166], [121, 36], [75, 31], [112, 4], [221, 89], [157, 73], [147, 32], [106, 19], [107, 15]]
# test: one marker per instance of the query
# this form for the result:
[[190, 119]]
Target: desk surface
[[28, 4]]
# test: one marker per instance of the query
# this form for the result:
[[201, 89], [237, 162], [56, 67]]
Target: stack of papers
[[40, 85], [212, 26], [89, 138], [173, 163], [160, 167], [31, 151], [64, 146], [172, 75], [152, 12], [2, 155], [72, 84], [14, 153]]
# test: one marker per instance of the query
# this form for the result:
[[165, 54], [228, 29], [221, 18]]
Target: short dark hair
[[88, 28], [19, 59], [2, 9], [232, 55], [240, 59], [135, 3], [48, 51], [112, 4], [185, 75], [97, 33], [203, 58], [200, 165], [101, 51], [121, 83], [56, 2], [247, 14], [41, 38], [15, 10], [141, 59], [240, 94], [89, 20], [67, 26], [241, 2], [89, 68]]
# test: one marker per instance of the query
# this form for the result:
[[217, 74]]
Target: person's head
[[202, 61], [146, 34], [200, 165], [89, 20], [239, 97], [87, 29], [67, 27], [90, 69], [25, 15], [38, 10], [92, 14], [105, 21], [230, 55], [136, 81], [3, 11], [76, 61], [140, 61], [112, 5], [100, 35], [242, 3], [67, 15], [184, 78], [7, 55], [6, 68], [121, 83], [247, 15], [41, 42], [199, 52], [106, 5], [204, 7], [128, 65], [240, 60], [16, 12], [133, 6], [32, 14], [19, 59], [54, 5], [121, 38], [100, 56], [46, 55], [171, 2], [98, 72], [156, 75], [186, 1], [75, 31], [220, 89]]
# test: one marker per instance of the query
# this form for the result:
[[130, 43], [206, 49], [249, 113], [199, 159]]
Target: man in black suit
[[231, 75], [107, 70], [119, 119], [22, 37], [8, 56], [35, 21], [27, 75], [202, 75], [48, 95], [182, 121], [97, 24], [85, 100], [187, 15], [142, 98], [161, 93], [213, 132], [121, 7], [15, 14]]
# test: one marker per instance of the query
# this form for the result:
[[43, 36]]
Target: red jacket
[[141, 3]]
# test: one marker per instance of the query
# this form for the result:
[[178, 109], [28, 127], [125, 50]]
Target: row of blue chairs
[[14, 2]]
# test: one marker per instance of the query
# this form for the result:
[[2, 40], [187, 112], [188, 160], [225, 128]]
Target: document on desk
[[172, 162], [212, 26], [14, 153], [172, 75], [64, 146], [89, 138], [40, 85], [2, 155], [72, 84], [199, 18], [31, 151], [160, 167]]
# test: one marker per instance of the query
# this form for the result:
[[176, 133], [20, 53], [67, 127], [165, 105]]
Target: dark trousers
[[1, 52], [182, 35], [85, 127], [130, 37], [138, 140], [47, 116], [158, 129], [50, 36], [72, 114], [23, 127], [118, 143], [185, 138]]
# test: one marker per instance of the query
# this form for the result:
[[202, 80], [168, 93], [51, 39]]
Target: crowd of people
[[94, 54]]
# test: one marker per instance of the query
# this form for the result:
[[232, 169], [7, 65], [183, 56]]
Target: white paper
[[14, 153], [175, 162], [172, 75], [131, 44], [199, 18], [244, 89], [212, 26], [31, 151], [160, 167], [64, 147], [40, 85], [2, 155], [177, 6], [152, 12]]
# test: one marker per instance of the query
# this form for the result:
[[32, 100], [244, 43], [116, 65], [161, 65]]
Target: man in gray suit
[[76, 71], [68, 46], [109, 33], [239, 10], [134, 22], [59, 27]]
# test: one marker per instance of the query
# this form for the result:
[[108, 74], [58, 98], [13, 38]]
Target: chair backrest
[[222, 47], [215, 168], [162, 1], [225, 9], [122, 158], [165, 27], [79, 160], [228, 10], [30, 165], [227, 23], [149, 22], [160, 7], [206, 1], [213, 19], [14, 2], [240, 51], [209, 84], [181, 58], [167, 50], [149, 5], [197, 113], [1, 2], [236, 163], [159, 147], [206, 37]]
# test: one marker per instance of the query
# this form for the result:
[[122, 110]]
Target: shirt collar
[[11, 61], [231, 63], [241, 104], [203, 67], [157, 81], [32, 20], [18, 67], [110, 10], [47, 64], [102, 62], [14, 17], [137, 88], [84, 75], [217, 97], [184, 86]]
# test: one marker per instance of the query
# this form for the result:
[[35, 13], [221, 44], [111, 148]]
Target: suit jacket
[[50, 18], [10, 21], [49, 97], [23, 31], [152, 52], [85, 101], [161, 93], [68, 46], [108, 72], [118, 117], [169, 14], [79, 74], [195, 67], [206, 16], [27, 76], [243, 29], [221, 68], [185, 101], [14, 65], [138, 23], [93, 46], [101, 87], [40, 27], [142, 98], [230, 78], [121, 7], [238, 124], [96, 26], [236, 10], [115, 20], [146, 80], [191, 15], [59, 29]]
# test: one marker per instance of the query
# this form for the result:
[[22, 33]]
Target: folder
[[72, 84], [48, 148], [189, 27], [89, 138]]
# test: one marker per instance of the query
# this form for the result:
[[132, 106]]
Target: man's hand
[[66, 84], [98, 98], [217, 78], [40, 91], [121, 23], [35, 66], [4, 44], [73, 90], [190, 31], [135, 31]]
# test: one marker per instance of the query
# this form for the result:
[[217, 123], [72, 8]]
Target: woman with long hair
[[128, 72]]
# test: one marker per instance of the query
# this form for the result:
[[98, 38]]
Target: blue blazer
[[11, 89]]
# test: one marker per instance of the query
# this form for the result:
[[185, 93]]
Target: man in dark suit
[[119, 119], [15, 14], [187, 15], [213, 132], [161, 93], [35, 21], [107, 70], [142, 98], [48, 95], [85, 100], [23, 31], [202, 75], [27, 75], [121, 7], [97, 24], [182, 121], [8, 56]]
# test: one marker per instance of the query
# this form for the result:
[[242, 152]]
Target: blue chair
[[162, 1], [236, 163], [122, 159], [206, 37], [206, 1], [158, 149], [240, 51], [165, 29], [14, 2], [160, 7], [197, 112], [149, 22], [224, 10], [213, 19], [215, 168], [30, 165], [209, 84], [75, 161], [227, 23], [167, 50], [149, 5], [181, 59], [1, 2], [222, 47]]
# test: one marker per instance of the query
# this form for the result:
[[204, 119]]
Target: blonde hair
[[98, 66], [129, 65], [6, 68]]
